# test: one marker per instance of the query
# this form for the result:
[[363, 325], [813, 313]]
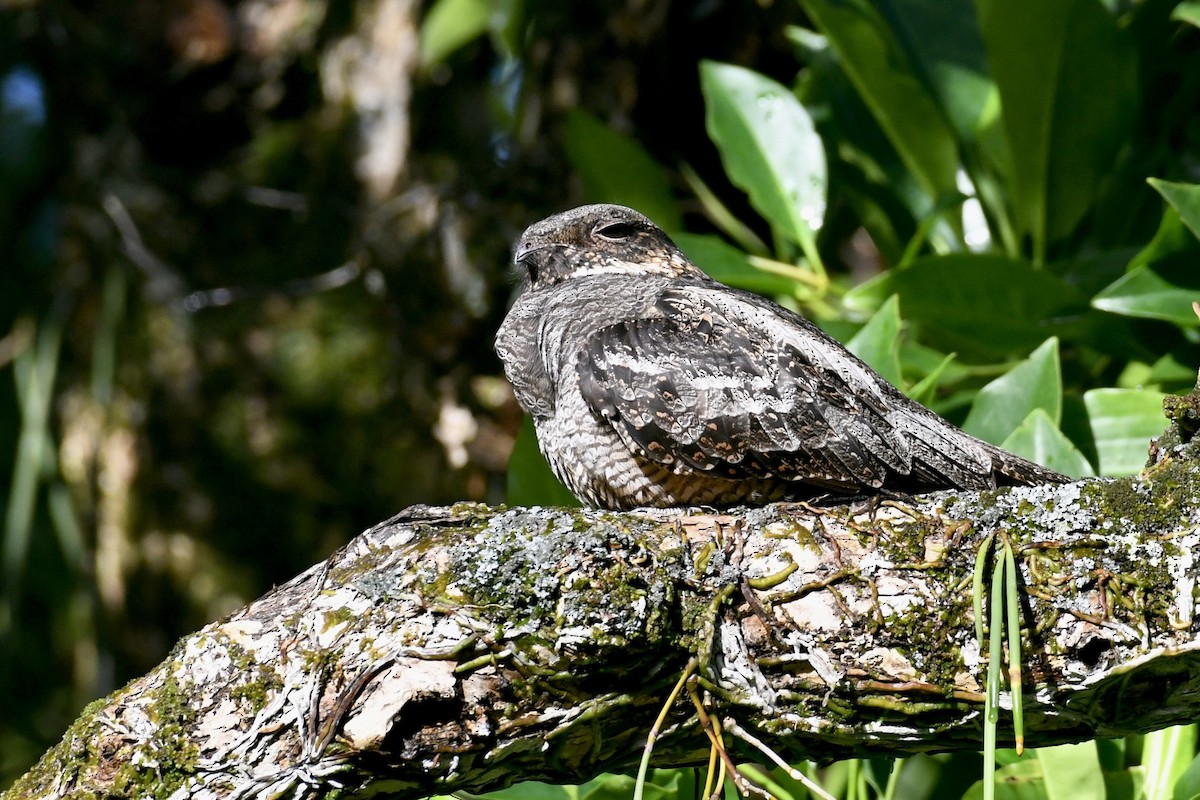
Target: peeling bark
[[465, 648]]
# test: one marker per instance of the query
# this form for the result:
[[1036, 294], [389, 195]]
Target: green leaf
[[1124, 784], [1004, 403], [1067, 75], [925, 390], [531, 790], [1171, 237], [1007, 755], [726, 263], [1091, 271], [878, 343], [983, 303], [1184, 198], [947, 53], [530, 479], [769, 148], [1187, 11], [1188, 784], [918, 359], [449, 25], [1163, 290], [935, 777], [880, 70], [1174, 369], [721, 216], [1021, 780], [1071, 771], [1123, 422], [1166, 755], [616, 169], [870, 177], [663, 784], [1039, 439], [878, 770]]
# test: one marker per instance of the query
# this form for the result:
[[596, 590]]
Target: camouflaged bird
[[651, 384]]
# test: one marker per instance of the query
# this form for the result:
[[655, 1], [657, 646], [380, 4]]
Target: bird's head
[[594, 240]]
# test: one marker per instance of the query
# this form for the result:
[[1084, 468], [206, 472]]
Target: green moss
[[1154, 505], [694, 615], [337, 616], [1172, 483], [905, 543], [922, 638], [353, 569], [795, 531], [471, 509], [73, 755], [256, 681], [174, 755], [88, 748], [263, 683], [176, 752]]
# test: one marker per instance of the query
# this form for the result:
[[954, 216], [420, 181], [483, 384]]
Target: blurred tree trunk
[[464, 648]]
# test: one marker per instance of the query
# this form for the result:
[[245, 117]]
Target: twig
[[737, 730], [644, 767]]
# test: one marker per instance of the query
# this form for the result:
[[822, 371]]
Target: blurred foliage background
[[256, 251]]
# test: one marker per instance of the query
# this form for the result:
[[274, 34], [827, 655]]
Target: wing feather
[[718, 381]]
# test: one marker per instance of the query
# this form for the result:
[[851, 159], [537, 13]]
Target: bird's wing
[[719, 380]]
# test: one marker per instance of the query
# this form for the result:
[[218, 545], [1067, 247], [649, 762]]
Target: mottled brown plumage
[[651, 384]]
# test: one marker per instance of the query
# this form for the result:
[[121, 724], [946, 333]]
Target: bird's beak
[[524, 249]]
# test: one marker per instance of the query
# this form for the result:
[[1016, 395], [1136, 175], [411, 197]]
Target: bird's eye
[[615, 231]]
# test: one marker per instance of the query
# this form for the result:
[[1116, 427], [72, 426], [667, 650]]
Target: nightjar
[[651, 384]]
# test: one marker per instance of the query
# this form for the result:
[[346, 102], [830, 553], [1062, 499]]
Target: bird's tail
[[1012, 470]]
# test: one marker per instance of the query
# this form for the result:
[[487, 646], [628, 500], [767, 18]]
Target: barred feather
[[651, 384]]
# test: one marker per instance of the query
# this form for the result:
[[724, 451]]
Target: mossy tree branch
[[468, 647]]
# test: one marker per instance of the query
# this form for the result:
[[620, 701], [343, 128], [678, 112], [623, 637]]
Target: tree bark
[[468, 647]]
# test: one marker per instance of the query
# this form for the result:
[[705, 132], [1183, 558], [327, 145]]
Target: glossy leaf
[[946, 48], [1184, 198], [449, 25], [1172, 237], [1175, 368], [1123, 421], [1039, 439], [663, 784], [1071, 771], [924, 391], [1091, 272], [919, 359], [1002, 405], [1164, 290], [1187, 11], [528, 790], [1188, 784], [728, 264], [1049, 61], [878, 343], [769, 147], [1166, 754], [616, 169], [1021, 780], [988, 304], [934, 777], [868, 174], [886, 80]]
